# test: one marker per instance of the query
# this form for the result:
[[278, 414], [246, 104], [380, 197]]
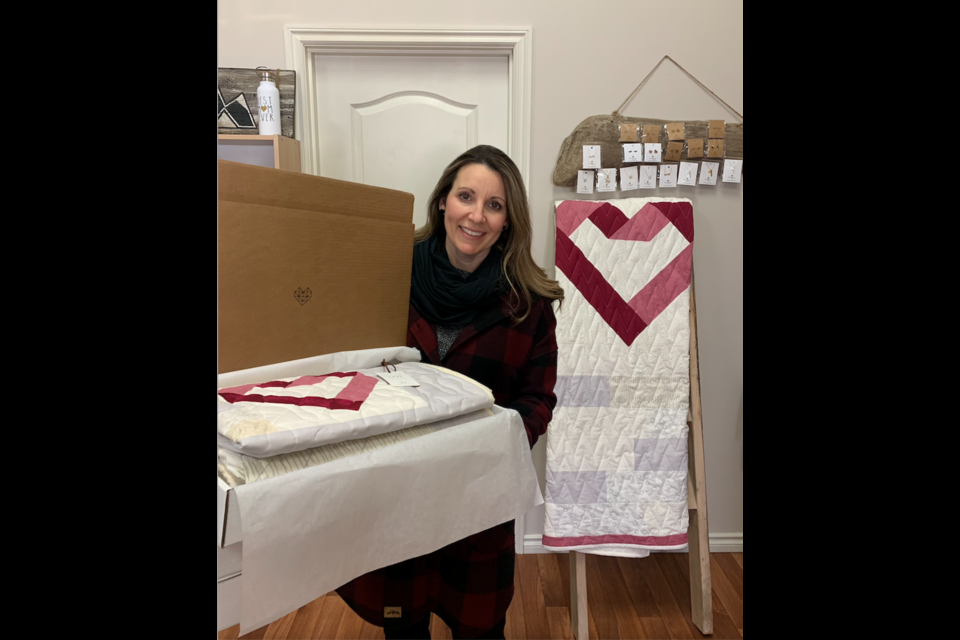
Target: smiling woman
[[486, 176], [474, 215], [480, 306]]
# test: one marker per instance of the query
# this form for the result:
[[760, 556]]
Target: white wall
[[587, 58]]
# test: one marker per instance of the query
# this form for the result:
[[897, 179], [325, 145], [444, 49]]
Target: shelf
[[283, 152], [245, 136]]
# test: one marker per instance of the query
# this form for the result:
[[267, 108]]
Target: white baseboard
[[719, 543], [726, 542]]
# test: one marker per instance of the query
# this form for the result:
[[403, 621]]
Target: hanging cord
[[703, 86]]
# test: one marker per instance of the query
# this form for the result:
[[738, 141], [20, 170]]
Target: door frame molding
[[303, 43]]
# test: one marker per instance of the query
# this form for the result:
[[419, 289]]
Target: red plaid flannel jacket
[[469, 583]]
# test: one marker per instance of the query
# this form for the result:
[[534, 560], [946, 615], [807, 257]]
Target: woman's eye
[[464, 196], [495, 205]]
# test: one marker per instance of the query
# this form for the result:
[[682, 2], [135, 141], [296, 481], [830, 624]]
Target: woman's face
[[475, 212]]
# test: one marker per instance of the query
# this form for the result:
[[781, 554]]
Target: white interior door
[[397, 121]]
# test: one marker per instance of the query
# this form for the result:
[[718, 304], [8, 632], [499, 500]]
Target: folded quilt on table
[[236, 468], [288, 415], [617, 445]]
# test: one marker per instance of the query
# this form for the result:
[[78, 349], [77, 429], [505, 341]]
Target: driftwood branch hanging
[[603, 130]]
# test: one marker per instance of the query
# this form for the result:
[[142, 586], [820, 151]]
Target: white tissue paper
[[309, 532]]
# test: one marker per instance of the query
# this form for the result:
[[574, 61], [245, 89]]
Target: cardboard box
[[229, 530], [228, 516], [229, 561], [229, 599], [308, 266], [229, 557]]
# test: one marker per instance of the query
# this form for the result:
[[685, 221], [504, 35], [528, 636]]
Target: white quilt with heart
[[285, 415], [617, 445]]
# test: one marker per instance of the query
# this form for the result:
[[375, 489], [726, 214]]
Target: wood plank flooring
[[626, 598]]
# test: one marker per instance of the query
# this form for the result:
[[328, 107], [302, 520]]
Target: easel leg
[[578, 595], [701, 604]]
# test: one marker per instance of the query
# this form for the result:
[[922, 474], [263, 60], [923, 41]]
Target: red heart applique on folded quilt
[[350, 398]]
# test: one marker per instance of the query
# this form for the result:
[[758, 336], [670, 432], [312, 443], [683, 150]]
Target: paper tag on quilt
[[731, 170], [648, 177], [584, 181], [606, 180], [688, 174], [628, 179], [633, 152], [668, 175], [651, 152], [398, 379], [591, 156], [708, 172]]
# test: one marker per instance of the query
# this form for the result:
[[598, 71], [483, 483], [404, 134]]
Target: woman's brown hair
[[521, 272]]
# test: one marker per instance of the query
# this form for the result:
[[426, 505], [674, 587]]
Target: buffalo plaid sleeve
[[535, 399]]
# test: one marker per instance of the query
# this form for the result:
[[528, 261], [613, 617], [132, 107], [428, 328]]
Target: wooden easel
[[701, 604]]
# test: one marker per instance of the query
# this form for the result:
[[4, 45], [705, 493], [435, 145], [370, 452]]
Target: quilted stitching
[[617, 445], [441, 394]]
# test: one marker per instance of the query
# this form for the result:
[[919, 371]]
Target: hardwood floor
[[626, 598]]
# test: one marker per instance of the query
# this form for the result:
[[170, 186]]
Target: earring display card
[[633, 152], [674, 151], [651, 152], [695, 148], [648, 177], [717, 129], [651, 133], [688, 174], [628, 179], [714, 148], [591, 156], [607, 180], [629, 132], [731, 170], [584, 181], [668, 175], [708, 172], [675, 130]]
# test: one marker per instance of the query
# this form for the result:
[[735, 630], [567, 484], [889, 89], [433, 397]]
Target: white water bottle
[[268, 99]]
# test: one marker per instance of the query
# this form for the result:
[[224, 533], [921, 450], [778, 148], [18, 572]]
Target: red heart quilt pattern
[[350, 398], [628, 318]]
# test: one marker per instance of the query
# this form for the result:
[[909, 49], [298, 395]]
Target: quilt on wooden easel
[[617, 445]]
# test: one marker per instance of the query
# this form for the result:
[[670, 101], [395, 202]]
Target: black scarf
[[442, 296]]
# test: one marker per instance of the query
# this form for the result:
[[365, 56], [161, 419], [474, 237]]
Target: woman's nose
[[476, 214]]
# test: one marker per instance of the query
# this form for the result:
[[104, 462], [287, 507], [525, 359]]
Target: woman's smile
[[471, 233]]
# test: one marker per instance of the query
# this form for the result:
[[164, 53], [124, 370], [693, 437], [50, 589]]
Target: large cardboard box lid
[[308, 266]]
